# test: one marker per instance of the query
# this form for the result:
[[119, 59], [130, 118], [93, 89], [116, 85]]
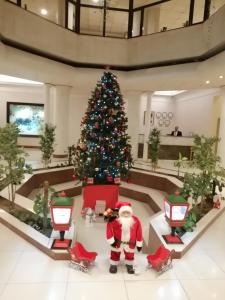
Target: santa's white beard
[[126, 223]]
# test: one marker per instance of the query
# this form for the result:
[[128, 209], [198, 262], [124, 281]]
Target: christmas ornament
[[117, 180], [90, 180]]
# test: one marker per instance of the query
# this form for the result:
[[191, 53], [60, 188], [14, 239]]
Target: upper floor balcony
[[127, 34]]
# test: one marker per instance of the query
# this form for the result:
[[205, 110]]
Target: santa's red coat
[[114, 232]]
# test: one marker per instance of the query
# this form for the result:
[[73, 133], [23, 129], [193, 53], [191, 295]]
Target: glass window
[[91, 20], [215, 5], [93, 2], [169, 15], [116, 23], [198, 11], [138, 3], [71, 16], [46, 9], [136, 23], [118, 4]]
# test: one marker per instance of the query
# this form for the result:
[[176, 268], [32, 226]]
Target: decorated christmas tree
[[103, 153]]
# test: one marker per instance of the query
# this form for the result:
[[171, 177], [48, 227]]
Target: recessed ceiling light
[[221, 76], [4, 79], [95, 1], [168, 93], [44, 11], [207, 82]]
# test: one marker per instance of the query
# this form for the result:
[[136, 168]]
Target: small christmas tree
[[103, 152]]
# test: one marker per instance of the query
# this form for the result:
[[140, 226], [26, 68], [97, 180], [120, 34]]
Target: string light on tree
[[105, 153]]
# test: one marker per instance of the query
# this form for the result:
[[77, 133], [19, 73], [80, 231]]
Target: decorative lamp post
[[176, 209], [61, 212]]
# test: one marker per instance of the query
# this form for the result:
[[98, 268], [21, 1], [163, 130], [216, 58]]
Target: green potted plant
[[202, 185], [179, 163], [154, 144], [14, 166], [47, 140], [41, 204]]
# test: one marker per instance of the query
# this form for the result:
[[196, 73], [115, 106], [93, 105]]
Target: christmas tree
[[103, 153]]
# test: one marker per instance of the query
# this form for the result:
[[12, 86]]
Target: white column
[[221, 146], [47, 102], [133, 104], [60, 103], [147, 124]]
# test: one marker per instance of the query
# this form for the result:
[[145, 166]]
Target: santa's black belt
[[125, 243]]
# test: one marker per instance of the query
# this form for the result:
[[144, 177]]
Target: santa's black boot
[[130, 269], [113, 269]]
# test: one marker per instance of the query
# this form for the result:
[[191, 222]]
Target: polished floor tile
[[98, 272], [155, 290], [143, 272], [197, 265], [204, 289], [38, 267], [96, 291], [37, 291], [8, 262], [1, 289], [11, 241]]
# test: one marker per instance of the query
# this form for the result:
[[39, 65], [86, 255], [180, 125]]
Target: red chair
[[161, 260], [80, 257]]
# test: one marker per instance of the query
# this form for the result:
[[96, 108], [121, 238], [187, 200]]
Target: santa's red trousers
[[115, 257]]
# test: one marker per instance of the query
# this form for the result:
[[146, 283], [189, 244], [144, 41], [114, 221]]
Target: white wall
[[194, 111], [20, 94], [159, 104], [163, 104]]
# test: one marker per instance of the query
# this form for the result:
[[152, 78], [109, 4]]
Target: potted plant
[[154, 144], [41, 204], [47, 140], [14, 166], [180, 162]]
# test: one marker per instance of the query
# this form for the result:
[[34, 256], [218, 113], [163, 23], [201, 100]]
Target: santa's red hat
[[124, 206]]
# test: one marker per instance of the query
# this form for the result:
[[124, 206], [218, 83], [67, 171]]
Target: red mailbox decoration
[[61, 212], [176, 209]]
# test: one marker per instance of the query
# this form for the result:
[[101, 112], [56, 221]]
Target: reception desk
[[170, 147]]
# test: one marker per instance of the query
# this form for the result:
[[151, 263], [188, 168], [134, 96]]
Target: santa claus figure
[[124, 234]]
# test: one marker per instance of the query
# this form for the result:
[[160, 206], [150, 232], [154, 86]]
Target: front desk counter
[[171, 146]]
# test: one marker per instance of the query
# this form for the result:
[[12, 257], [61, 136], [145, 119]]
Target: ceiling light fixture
[[221, 76], [168, 93], [4, 79], [44, 11], [207, 82]]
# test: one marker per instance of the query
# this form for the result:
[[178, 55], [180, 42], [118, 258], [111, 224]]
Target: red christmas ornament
[[109, 178], [111, 120], [63, 194], [96, 125], [90, 180], [117, 180]]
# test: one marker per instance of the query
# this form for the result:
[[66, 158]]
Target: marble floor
[[26, 273]]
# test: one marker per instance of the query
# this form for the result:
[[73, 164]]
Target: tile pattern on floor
[[26, 273]]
